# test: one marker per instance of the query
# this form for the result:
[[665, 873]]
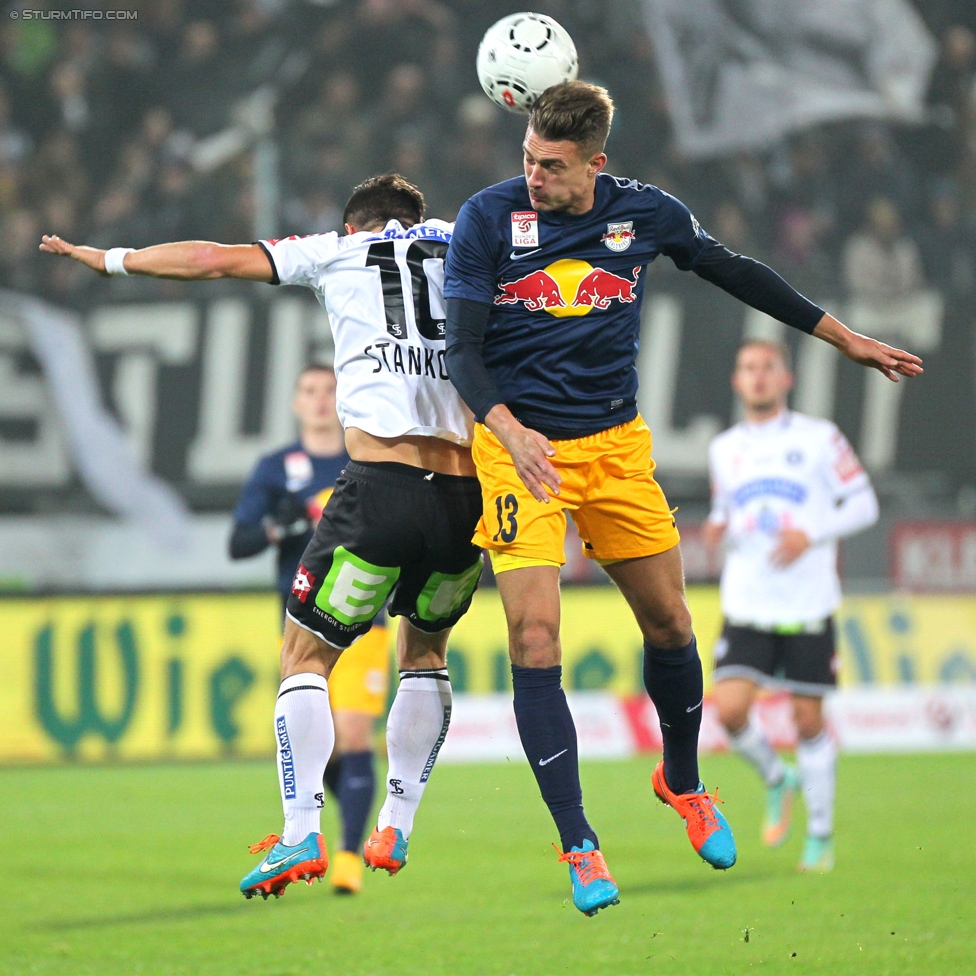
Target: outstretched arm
[[184, 260], [867, 351], [759, 286]]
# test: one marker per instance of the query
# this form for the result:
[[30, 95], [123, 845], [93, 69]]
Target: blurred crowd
[[232, 120]]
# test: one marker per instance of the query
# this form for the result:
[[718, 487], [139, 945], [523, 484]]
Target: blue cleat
[[708, 831], [285, 865], [593, 888], [818, 855]]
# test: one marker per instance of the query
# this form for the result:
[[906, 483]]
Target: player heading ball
[[552, 382]]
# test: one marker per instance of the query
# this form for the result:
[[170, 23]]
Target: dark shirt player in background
[[280, 505]]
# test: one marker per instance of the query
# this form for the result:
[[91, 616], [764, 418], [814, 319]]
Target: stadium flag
[[741, 74], [99, 448]]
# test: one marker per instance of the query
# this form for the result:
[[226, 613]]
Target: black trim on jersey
[[300, 688], [275, 280], [467, 322], [440, 674], [757, 285]]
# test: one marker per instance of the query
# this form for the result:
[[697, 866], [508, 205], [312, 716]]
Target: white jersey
[[789, 472], [384, 292]]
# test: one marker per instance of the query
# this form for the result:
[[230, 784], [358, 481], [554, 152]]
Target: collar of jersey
[[779, 422]]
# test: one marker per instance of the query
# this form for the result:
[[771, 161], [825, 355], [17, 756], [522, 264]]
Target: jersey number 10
[[423, 258]]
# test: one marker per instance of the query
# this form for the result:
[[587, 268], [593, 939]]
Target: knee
[[733, 699], [808, 717], [669, 625], [303, 652], [534, 643], [353, 731], [733, 716], [417, 650], [809, 726]]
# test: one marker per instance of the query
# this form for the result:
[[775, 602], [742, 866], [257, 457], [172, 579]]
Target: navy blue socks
[[548, 736], [331, 778], [350, 779], [355, 794], [673, 679]]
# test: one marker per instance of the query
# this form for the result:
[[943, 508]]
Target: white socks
[[751, 743], [817, 759], [305, 737], [415, 731]]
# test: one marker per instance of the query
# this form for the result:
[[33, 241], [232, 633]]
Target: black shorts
[[390, 532], [801, 663]]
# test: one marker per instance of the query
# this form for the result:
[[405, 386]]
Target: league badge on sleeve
[[525, 228], [619, 236]]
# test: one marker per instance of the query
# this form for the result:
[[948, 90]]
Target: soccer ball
[[523, 55]]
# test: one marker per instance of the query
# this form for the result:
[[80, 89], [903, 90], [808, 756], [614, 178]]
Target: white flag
[[740, 74], [101, 452]]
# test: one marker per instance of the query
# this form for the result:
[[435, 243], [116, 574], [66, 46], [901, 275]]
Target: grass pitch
[[135, 870]]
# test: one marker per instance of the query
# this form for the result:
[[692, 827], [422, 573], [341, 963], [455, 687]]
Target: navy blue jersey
[[284, 485], [565, 292]]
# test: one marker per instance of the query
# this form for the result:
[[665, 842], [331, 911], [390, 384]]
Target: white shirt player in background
[[381, 284], [785, 488]]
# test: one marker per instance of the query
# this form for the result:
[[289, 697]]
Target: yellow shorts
[[608, 488], [359, 680]]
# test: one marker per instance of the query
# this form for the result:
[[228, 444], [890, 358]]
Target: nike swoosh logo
[[515, 257], [693, 707], [269, 866], [545, 762]]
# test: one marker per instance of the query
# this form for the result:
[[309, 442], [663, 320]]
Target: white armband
[[114, 258]]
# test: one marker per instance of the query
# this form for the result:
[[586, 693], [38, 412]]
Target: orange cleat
[[386, 849], [708, 831]]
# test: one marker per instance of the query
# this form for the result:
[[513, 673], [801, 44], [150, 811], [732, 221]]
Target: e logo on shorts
[[355, 589], [444, 593]]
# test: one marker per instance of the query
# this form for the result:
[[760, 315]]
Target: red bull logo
[[600, 287], [537, 290], [568, 288]]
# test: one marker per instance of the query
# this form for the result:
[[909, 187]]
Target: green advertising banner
[[194, 676]]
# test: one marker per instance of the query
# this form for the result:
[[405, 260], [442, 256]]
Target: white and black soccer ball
[[521, 56]]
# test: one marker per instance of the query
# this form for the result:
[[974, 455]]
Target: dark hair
[[574, 111], [383, 198], [780, 348]]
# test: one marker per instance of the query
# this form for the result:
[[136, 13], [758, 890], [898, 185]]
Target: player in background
[[398, 526], [544, 287], [785, 488], [280, 505]]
